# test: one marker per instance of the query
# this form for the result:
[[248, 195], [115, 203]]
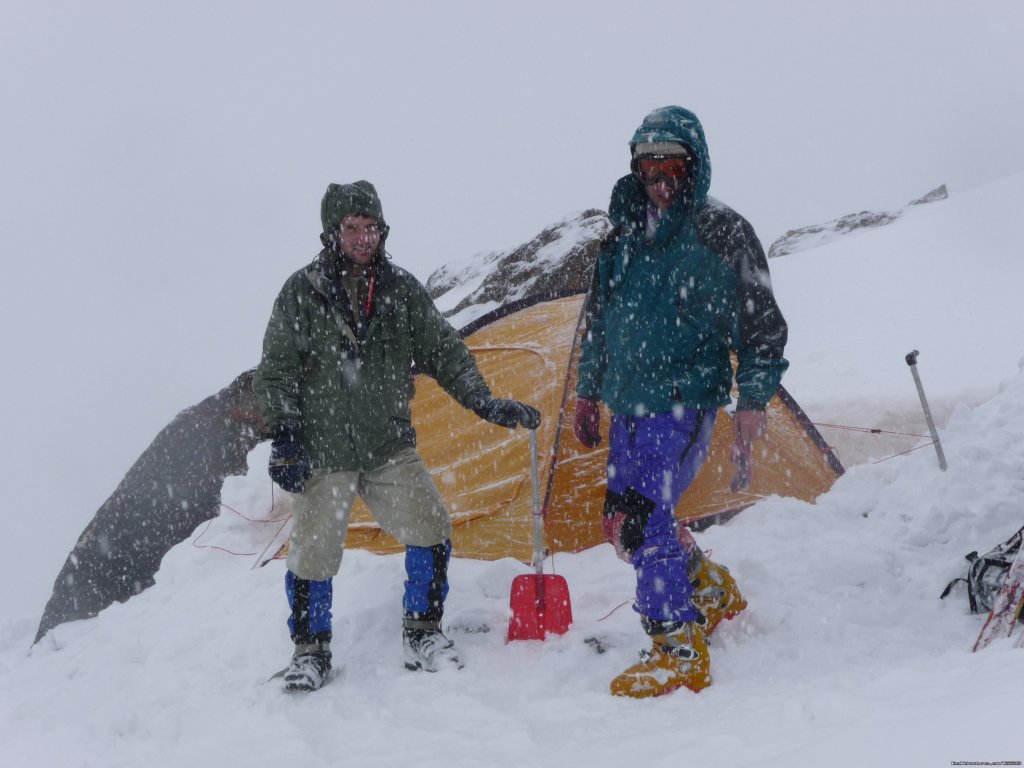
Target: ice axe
[[539, 604]]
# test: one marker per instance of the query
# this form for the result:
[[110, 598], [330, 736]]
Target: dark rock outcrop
[[818, 234], [558, 260]]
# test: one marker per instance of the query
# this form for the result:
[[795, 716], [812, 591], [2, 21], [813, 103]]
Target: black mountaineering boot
[[426, 648], [309, 668]]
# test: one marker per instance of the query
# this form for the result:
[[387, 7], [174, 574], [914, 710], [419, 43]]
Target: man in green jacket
[[681, 282], [334, 385]]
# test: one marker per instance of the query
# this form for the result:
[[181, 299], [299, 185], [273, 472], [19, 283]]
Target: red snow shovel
[[539, 605]]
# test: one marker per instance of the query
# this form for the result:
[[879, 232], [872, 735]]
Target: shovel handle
[[538, 520]]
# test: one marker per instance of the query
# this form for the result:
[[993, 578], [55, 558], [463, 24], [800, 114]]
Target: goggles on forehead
[[671, 170]]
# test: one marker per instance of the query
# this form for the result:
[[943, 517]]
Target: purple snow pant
[[651, 461]]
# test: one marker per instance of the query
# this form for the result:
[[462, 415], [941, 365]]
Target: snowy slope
[[817, 235], [846, 656], [945, 279], [559, 258]]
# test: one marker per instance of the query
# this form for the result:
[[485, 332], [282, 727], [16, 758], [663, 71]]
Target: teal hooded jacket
[[664, 313]]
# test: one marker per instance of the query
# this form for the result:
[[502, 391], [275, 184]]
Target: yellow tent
[[527, 351], [483, 472]]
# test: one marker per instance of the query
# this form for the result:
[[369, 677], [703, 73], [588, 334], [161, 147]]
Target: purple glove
[[739, 455], [611, 525], [587, 423], [751, 425]]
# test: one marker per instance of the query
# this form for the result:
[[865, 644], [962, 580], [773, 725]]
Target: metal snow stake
[[912, 362]]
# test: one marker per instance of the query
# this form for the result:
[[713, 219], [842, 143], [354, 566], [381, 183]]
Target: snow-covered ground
[[945, 279], [845, 658]]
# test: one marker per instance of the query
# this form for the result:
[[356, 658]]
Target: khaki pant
[[400, 495]]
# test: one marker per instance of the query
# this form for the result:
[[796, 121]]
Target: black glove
[[506, 413], [288, 465]]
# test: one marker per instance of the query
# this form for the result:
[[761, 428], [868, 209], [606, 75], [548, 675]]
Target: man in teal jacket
[[334, 385], [680, 283]]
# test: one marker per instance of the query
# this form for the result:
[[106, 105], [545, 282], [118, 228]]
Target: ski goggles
[[671, 170]]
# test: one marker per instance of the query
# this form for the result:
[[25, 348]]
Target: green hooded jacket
[[663, 314], [344, 383]]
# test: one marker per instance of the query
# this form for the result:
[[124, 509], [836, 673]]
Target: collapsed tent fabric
[[170, 489], [529, 351]]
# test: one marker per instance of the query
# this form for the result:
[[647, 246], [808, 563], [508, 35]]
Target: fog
[[162, 167]]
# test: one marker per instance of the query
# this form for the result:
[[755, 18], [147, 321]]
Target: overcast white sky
[[161, 164]]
